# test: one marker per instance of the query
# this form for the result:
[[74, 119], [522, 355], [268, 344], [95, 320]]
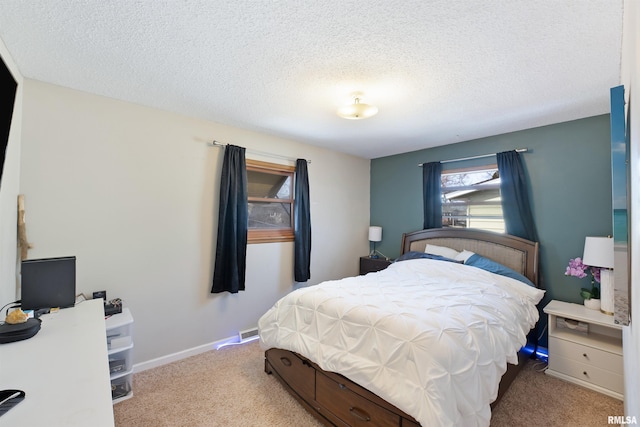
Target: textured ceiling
[[440, 71]]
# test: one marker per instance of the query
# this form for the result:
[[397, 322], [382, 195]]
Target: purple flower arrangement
[[577, 268]]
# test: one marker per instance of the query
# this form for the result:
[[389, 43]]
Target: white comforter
[[431, 337]]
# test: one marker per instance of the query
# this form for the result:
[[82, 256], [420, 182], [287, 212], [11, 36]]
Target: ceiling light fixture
[[357, 110]]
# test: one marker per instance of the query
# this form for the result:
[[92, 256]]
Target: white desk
[[63, 370]]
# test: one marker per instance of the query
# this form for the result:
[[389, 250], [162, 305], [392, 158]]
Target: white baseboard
[[174, 357]]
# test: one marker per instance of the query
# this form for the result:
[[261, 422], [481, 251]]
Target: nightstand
[[368, 265], [585, 348]]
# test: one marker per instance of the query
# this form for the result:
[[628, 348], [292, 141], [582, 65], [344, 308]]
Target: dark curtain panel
[[432, 196], [233, 224], [302, 224], [514, 192]]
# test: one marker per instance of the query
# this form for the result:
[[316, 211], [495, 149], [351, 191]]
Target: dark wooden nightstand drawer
[[368, 265]]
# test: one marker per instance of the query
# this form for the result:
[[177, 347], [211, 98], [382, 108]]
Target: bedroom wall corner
[[9, 190], [132, 191]]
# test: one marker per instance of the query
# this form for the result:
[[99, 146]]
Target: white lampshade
[[375, 234], [598, 252]]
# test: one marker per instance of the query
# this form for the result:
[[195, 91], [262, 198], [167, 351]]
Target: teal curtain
[[516, 208], [302, 224], [233, 224], [432, 194], [516, 211]]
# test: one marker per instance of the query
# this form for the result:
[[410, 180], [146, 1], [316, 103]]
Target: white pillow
[[464, 255], [442, 251]]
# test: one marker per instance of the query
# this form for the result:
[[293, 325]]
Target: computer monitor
[[48, 283]]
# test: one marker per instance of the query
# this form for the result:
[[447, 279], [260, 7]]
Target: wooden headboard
[[514, 252]]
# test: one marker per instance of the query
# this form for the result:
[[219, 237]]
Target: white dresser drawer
[[587, 373], [586, 355]]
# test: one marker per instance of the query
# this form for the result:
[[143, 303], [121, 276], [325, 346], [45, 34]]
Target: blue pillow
[[476, 260], [417, 255]]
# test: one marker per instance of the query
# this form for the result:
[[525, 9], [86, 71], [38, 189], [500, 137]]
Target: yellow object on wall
[[23, 244]]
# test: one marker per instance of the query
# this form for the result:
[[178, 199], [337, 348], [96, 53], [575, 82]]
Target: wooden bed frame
[[337, 401]]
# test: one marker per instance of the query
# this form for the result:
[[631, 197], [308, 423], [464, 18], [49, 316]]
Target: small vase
[[592, 304]]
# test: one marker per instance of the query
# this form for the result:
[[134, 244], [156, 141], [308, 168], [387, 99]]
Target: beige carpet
[[228, 387]]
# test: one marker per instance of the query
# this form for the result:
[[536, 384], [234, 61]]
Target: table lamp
[[598, 252], [375, 235]]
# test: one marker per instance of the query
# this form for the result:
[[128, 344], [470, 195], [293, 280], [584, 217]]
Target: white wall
[[132, 192], [631, 80], [9, 193]]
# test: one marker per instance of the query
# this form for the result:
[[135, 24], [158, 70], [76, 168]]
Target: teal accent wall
[[569, 171]]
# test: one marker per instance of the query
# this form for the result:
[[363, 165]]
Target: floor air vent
[[243, 337], [248, 335]]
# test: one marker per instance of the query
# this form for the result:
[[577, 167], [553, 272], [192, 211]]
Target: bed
[[425, 342]]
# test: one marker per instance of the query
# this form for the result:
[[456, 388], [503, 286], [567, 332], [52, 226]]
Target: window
[[270, 197], [471, 199]]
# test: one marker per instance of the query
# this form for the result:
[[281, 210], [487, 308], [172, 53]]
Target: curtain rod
[[481, 156], [219, 144]]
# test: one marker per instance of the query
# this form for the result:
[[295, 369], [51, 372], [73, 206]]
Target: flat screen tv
[[48, 283], [8, 88]]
